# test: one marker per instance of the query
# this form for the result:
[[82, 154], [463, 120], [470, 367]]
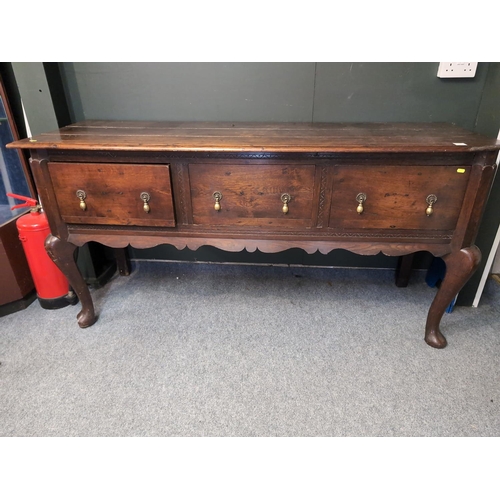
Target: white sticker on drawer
[[460, 144]]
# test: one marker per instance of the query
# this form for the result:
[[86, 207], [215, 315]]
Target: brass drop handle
[[361, 198], [217, 197], [81, 195], [285, 199], [430, 200], [145, 197]]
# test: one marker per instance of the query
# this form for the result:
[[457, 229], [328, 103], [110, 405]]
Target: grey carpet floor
[[233, 350]]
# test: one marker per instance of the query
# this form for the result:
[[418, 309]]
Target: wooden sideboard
[[395, 188]]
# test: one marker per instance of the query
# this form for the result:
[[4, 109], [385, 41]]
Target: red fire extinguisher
[[51, 285]]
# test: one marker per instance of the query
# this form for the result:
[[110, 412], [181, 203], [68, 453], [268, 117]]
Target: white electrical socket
[[457, 70]]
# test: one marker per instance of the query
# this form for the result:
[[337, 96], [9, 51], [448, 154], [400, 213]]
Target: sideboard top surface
[[104, 135]]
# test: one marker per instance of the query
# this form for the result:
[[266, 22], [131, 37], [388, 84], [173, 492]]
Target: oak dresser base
[[366, 188]]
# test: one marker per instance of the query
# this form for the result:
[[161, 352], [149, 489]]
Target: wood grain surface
[[270, 137]]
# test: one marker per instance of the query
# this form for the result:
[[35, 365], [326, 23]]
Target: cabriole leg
[[63, 255], [459, 268]]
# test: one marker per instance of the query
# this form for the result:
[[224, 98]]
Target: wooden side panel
[[16, 280]]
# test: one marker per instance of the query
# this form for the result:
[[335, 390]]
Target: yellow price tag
[[461, 170]]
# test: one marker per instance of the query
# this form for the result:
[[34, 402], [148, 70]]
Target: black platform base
[[59, 302]]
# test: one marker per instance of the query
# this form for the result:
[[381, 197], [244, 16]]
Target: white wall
[[495, 269]]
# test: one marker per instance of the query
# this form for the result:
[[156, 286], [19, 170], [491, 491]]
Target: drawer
[[136, 195], [252, 195], [396, 197]]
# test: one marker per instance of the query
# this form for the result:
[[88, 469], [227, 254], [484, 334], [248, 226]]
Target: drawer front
[[136, 195], [396, 197], [253, 194]]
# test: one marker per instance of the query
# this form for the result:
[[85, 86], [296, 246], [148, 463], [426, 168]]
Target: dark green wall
[[271, 92], [191, 91], [395, 92]]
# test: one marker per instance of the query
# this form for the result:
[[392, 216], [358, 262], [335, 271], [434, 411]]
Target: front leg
[[63, 255], [459, 268]]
